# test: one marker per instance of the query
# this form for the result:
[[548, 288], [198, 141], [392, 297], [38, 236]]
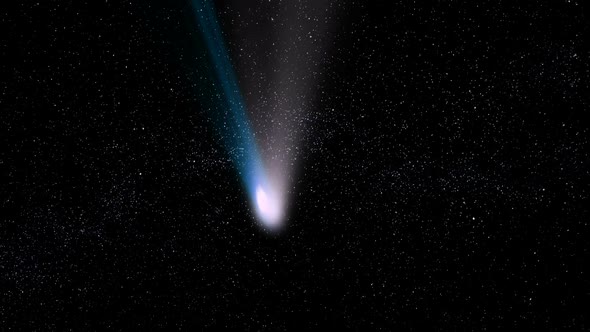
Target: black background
[[443, 182]]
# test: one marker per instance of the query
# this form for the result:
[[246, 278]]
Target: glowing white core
[[269, 207]]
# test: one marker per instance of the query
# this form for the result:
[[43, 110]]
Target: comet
[[234, 126]]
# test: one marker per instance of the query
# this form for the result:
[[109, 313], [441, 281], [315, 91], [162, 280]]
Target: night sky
[[436, 160]]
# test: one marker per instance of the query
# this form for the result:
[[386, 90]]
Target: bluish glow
[[238, 136]]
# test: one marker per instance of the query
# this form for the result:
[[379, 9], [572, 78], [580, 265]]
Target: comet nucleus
[[269, 206]]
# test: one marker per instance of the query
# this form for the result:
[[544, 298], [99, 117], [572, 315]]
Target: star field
[[436, 159]]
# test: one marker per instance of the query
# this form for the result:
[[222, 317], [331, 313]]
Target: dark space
[[443, 181]]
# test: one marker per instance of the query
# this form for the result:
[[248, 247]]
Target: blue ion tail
[[238, 136]]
